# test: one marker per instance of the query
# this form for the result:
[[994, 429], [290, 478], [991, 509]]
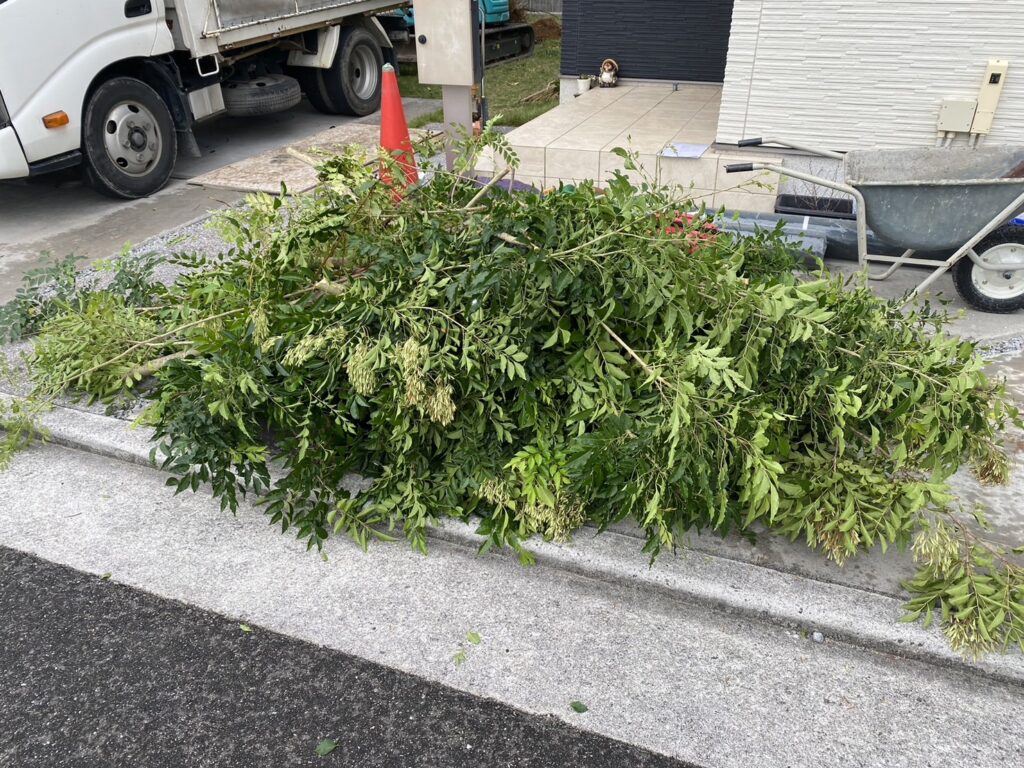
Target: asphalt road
[[94, 674]]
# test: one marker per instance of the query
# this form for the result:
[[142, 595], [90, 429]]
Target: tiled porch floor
[[574, 142]]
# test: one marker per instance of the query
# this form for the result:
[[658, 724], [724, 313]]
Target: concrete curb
[[858, 617], [91, 432]]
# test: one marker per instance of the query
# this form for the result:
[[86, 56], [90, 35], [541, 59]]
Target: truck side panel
[[12, 161], [50, 52], [234, 13], [205, 27]]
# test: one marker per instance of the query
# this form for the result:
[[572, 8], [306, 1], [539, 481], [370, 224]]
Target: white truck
[[117, 85]]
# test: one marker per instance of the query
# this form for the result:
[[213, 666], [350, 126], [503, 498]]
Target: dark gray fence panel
[[653, 39]]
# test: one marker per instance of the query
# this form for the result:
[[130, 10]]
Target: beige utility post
[[448, 54], [988, 97]]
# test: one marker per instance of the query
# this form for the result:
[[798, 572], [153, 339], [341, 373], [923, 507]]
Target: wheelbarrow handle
[[741, 167], [760, 142]]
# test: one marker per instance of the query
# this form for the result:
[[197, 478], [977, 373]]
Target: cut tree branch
[[661, 381], [487, 188], [148, 369]]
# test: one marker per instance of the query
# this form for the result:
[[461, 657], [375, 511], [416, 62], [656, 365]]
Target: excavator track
[[508, 43]]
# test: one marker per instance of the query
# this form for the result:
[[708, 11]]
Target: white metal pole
[[457, 101]]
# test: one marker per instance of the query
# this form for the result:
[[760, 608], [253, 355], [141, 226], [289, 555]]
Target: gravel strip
[[1011, 346]]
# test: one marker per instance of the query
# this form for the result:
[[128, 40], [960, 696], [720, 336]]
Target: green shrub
[[540, 362]]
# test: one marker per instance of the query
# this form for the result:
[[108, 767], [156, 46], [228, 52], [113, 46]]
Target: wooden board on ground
[[267, 171]]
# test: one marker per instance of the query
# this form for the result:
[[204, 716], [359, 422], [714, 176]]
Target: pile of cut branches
[[538, 363]]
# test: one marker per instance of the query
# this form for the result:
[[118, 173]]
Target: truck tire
[[128, 139], [261, 96], [994, 290], [352, 84], [312, 82]]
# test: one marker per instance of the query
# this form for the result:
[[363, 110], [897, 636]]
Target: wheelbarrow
[[934, 199]]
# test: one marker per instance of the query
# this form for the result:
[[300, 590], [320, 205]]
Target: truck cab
[[117, 85], [50, 52]]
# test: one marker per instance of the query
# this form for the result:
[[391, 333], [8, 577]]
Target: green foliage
[[18, 428], [540, 362], [973, 586], [47, 291], [41, 295], [75, 347], [325, 747], [462, 654], [132, 277]]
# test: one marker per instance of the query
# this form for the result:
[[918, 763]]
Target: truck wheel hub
[[138, 139], [132, 138], [363, 73]]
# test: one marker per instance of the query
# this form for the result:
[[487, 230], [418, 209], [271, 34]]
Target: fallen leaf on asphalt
[[245, 627], [578, 706], [473, 637], [459, 657], [325, 747], [106, 576]]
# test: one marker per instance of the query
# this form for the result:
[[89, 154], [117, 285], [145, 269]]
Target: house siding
[[853, 74], [653, 39]]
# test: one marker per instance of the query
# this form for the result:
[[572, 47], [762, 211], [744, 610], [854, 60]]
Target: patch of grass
[[506, 85], [411, 88], [426, 119], [516, 116]]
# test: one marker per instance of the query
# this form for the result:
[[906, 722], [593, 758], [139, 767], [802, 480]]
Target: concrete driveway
[[53, 216]]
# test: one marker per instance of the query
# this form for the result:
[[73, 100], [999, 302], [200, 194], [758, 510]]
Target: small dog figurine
[[609, 73]]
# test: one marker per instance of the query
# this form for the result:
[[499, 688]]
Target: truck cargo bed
[[234, 14], [206, 26]]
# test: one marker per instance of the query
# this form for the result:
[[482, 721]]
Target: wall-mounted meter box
[[957, 115], [447, 41]]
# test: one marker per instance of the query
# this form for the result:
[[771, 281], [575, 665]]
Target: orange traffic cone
[[394, 134]]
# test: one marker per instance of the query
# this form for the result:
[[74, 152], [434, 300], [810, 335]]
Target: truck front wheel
[[128, 139]]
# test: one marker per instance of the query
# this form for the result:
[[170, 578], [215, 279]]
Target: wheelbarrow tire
[[968, 278]]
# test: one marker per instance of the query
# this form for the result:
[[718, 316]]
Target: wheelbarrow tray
[[936, 198]]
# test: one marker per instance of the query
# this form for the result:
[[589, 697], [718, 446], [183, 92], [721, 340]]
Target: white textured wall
[[860, 73]]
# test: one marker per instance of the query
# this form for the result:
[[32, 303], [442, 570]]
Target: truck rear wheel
[[128, 139], [311, 80], [352, 84]]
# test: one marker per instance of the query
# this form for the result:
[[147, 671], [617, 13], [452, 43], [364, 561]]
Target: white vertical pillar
[[457, 101]]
